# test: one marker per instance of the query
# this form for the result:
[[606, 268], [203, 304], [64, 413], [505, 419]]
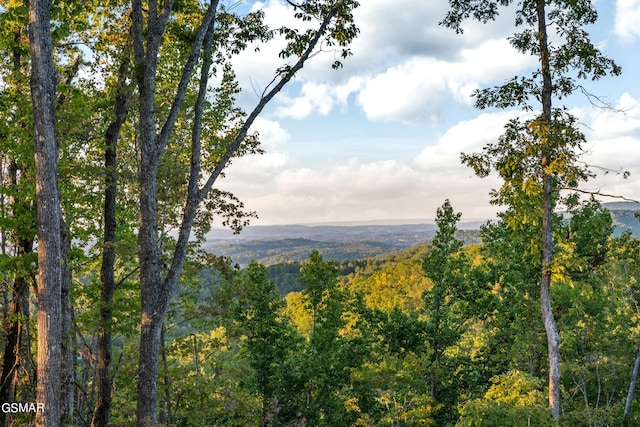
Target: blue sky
[[380, 139]]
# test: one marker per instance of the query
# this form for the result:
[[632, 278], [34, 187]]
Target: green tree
[[624, 278], [71, 98], [271, 339], [588, 313], [537, 159], [444, 304], [122, 95], [319, 375], [393, 384], [514, 399], [510, 271]]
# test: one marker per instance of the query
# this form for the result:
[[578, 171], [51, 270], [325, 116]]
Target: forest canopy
[[117, 121]]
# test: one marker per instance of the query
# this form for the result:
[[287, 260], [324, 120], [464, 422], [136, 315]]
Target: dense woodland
[[116, 120]]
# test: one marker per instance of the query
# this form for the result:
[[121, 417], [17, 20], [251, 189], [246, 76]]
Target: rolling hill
[[289, 243]]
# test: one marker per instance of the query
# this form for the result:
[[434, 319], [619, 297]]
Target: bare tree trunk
[[553, 338], [102, 410], [148, 371], [43, 89], [154, 292], [632, 388]]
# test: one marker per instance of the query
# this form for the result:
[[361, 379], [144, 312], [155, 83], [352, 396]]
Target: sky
[[379, 140]]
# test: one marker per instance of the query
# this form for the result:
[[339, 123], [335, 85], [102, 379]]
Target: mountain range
[[287, 243]]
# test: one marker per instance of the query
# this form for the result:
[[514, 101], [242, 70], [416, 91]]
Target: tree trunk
[[553, 338], [43, 88], [67, 378], [152, 294], [632, 388], [11, 359], [148, 371], [155, 293], [17, 315], [102, 410]]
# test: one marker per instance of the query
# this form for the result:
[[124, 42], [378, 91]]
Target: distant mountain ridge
[[400, 233], [270, 252], [624, 217], [272, 244], [287, 243], [622, 206]]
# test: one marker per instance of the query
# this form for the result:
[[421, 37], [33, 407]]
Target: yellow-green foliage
[[514, 399], [394, 282], [398, 395], [296, 310]]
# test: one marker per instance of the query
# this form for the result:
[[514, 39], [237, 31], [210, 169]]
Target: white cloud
[[357, 191], [613, 142], [251, 171], [404, 65], [405, 93], [627, 23], [622, 120], [313, 97], [468, 136], [347, 191], [385, 179], [271, 133], [416, 90], [392, 32], [354, 190], [342, 92], [406, 69]]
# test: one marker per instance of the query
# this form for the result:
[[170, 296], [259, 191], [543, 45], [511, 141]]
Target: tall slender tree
[[212, 41], [448, 267], [540, 154], [123, 92], [44, 79]]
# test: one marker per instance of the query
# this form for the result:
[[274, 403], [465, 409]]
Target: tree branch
[[598, 193], [192, 202], [286, 77], [597, 101], [187, 72]]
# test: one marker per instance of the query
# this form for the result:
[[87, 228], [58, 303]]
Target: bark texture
[[43, 89]]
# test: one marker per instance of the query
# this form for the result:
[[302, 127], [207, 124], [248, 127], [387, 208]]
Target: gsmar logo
[[15, 408]]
